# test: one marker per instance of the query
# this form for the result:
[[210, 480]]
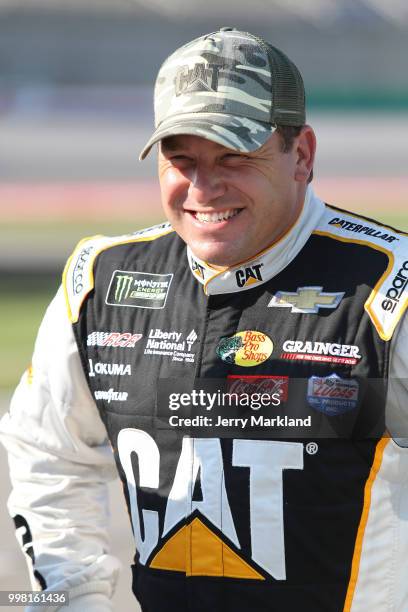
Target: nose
[[206, 184]]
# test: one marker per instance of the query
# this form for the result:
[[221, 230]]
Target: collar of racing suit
[[267, 263]]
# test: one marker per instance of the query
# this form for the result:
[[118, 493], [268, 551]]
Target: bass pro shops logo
[[249, 276], [245, 348], [138, 289]]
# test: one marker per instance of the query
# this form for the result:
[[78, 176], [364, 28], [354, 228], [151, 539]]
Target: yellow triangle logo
[[251, 281], [197, 551]]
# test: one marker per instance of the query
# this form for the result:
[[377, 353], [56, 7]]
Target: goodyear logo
[[249, 275], [245, 348]]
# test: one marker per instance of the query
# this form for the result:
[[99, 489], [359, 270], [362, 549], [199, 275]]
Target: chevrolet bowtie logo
[[306, 299]]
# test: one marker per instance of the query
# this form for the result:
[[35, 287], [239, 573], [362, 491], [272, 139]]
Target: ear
[[305, 146]]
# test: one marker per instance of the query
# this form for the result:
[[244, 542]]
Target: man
[[254, 280]]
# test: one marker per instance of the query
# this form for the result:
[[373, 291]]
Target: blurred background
[[76, 84]]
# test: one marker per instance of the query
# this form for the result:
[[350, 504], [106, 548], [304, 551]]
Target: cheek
[[173, 187]]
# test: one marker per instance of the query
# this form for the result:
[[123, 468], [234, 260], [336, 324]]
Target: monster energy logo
[[123, 286], [138, 289]]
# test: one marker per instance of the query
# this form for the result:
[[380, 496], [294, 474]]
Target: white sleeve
[[60, 462], [397, 398]]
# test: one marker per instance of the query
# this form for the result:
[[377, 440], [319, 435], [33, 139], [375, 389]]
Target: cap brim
[[237, 133]]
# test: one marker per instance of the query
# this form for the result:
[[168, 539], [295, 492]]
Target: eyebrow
[[170, 143]]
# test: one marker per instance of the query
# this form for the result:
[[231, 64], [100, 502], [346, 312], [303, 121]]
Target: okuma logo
[[109, 369], [138, 289]]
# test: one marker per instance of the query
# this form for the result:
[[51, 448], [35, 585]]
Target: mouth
[[216, 217]]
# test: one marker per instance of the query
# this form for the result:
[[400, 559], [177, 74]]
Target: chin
[[216, 257]]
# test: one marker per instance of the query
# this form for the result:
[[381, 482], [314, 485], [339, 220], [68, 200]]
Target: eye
[[177, 159], [234, 157]]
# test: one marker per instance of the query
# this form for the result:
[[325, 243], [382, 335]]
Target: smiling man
[[228, 205], [253, 281]]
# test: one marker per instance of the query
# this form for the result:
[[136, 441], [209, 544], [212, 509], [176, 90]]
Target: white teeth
[[216, 217]]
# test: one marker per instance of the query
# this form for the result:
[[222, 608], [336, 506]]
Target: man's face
[[228, 206]]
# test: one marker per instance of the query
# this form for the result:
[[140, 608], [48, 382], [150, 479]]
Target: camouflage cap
[[230, 87]]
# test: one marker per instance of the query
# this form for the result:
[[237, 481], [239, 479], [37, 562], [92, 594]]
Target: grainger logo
[[123, 287]]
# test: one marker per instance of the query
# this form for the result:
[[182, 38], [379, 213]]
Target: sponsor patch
[[259, 384], [197, 269], [171, 344], [138, 289], [362, 229], [306, 299], [111, 396], [115, 339], [397, 289], [250, 275], [109, 369], [158, 229], [78, 271], [321, 351], [332, 395], [245, 348]]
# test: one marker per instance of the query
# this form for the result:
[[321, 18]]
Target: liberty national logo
[[138, 289]]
